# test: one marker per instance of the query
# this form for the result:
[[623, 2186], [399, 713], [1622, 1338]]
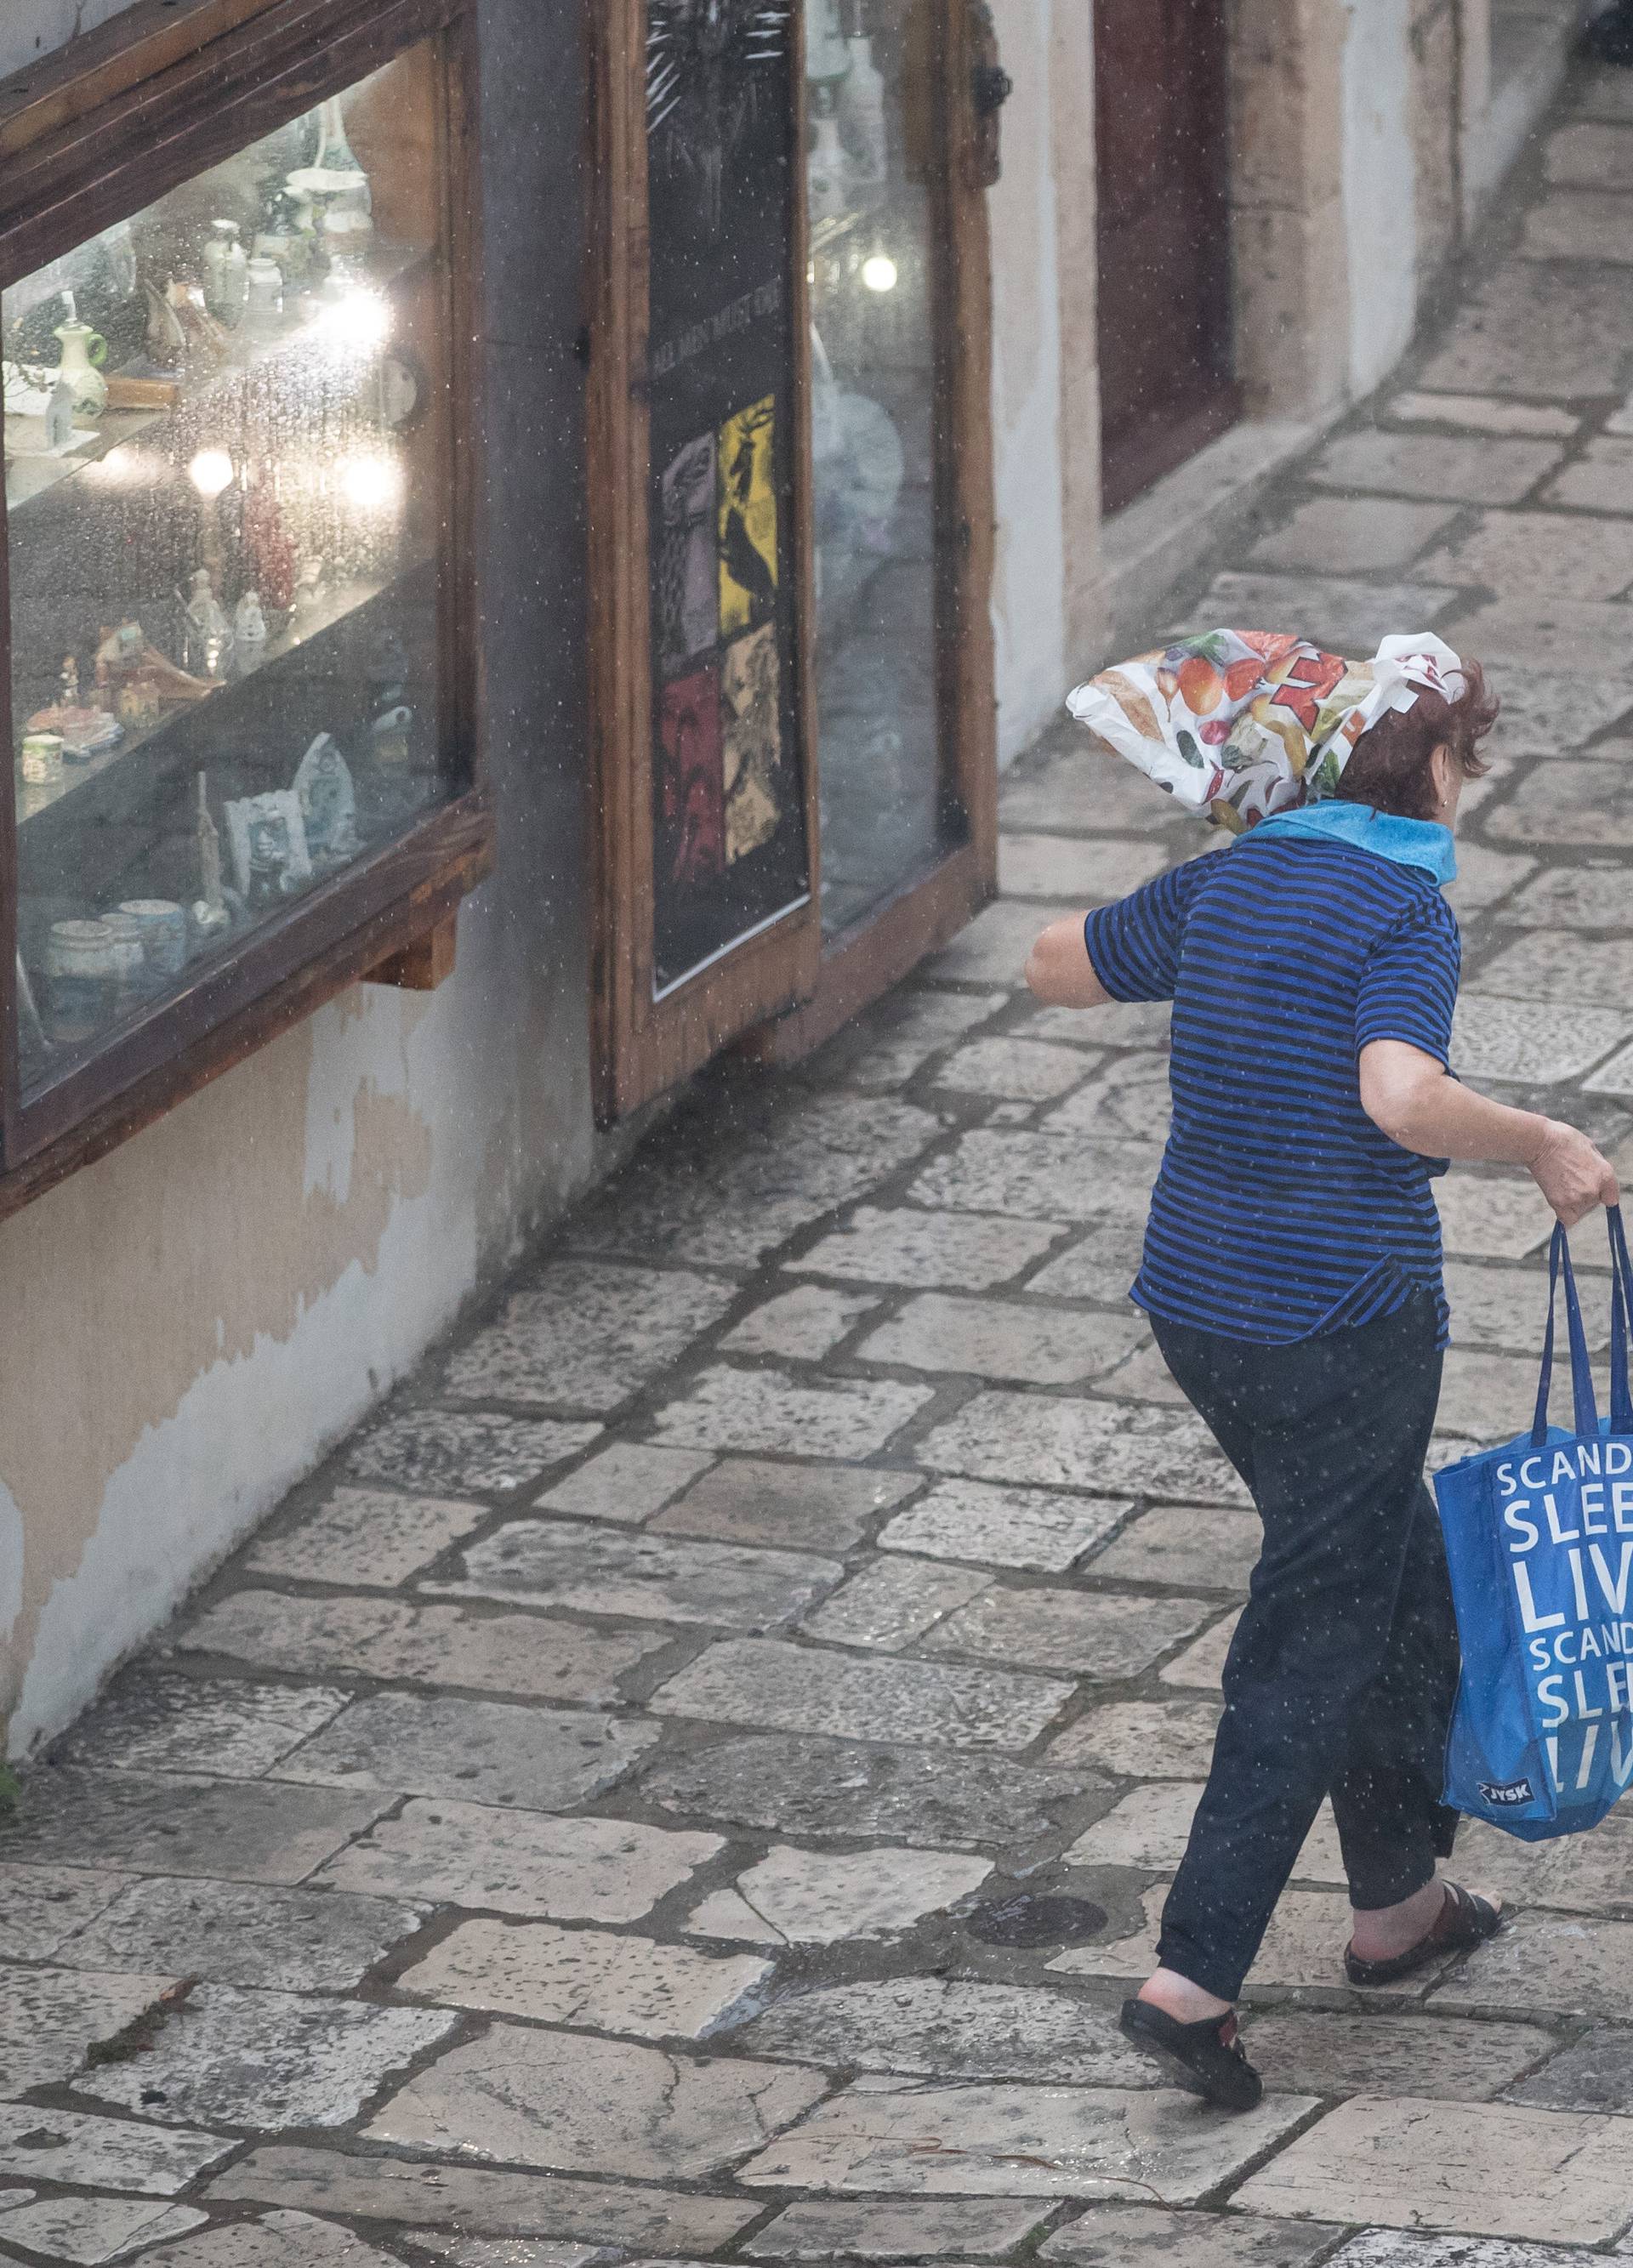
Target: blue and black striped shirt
[[1280, 1210]]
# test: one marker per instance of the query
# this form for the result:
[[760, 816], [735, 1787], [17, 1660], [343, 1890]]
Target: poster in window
[[729, 798]]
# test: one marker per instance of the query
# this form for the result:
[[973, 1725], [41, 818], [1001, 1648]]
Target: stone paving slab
[[896, 1038], [803, 1507], [1005, 1527], [468, 1854], [1596, 2073], [996, 1338], [242, 1831], [365, 1538], [929, 1250], [579, 2104], [1142, 1740], [952, 2028], [1505, 1040], [626, 1482], [1555, 1962], [891, 1602], [1577, 1874], [1353, 533], [442, 1451], [1211, 1550], [1102, 1637], [598, 1571], [824, 1897], [1484, 2168], [1528, 328], [1546, 966], [1379, 2248], [540, 1656], [1128, 1101], [1036, 2141], [993, 949], [1203, 1665], [232, 2058], [801, 1326], [1146, 2236], [818, 1787], [1579, 800], [1303, 1948], [767, 1410], [245, 1934], [485, 1751], [1463, 471], [42, 1907], [1341, 612], [1550, 550], [79, 2147], [233, 1731], [818, 2228], [1100, 1446], [1074, 873], [730, 1204], [88, 2231], [1599, 480], [1042, 1178], [1492, 1215], [49, 2017], [471, 2198], [765, 1682], [589, 1335], [280, 2240], [580, 1977], [1599, 896], [1100, 1263], [1150, 1829], [1313, 2051]]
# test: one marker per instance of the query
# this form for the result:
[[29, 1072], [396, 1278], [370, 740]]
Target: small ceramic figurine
[[209, 908], [210, 634], [60, 412], [67, 682], [388, 669], [328, 802], [269, 854], [134, 681], [167, 340], [390, 734], [308, 587], [249, 623]]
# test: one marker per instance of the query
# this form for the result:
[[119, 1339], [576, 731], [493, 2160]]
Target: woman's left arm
[[1059, 970]]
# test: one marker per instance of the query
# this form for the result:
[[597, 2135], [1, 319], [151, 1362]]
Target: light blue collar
[[1408, 842]]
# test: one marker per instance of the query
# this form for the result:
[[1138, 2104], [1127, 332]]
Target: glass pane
[[872, 398], [728, 803], [224, 501]]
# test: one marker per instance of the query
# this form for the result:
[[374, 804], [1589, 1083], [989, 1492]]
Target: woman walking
[[1292, 1267]]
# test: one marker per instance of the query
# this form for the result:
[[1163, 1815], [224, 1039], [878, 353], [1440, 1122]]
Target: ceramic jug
[[83, 350]]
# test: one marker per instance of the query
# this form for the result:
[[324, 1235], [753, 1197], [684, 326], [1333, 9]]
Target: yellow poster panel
[[747, 497]]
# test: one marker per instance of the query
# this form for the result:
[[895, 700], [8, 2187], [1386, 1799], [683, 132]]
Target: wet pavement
[[601, 1816]]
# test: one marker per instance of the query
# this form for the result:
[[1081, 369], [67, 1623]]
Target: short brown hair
[[1390, 766]]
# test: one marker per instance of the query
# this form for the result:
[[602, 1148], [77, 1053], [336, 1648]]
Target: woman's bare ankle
[[1381, 1933], [1177, 1997]]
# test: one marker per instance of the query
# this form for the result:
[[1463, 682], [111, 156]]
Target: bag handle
[[1581, 1368], [1620, 1308]]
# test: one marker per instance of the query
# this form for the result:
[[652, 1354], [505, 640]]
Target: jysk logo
[[1516, 1790]]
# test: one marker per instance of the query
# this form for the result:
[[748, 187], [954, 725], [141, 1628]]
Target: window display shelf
[[343, 319], [35, 798]]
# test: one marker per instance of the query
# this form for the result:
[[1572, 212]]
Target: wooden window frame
[[88, 136], [782, 992]]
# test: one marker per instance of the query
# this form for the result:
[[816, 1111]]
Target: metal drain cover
[[1037, 1921]]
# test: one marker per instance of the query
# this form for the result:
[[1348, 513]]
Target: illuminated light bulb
[[881, 273], [355, 319], [211, 472], [372, 483]]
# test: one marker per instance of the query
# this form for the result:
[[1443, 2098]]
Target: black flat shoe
[[1205, 2059], [1463, 1922]]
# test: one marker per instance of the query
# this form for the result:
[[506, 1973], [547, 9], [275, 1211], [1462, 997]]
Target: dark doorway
[[1166, 378]]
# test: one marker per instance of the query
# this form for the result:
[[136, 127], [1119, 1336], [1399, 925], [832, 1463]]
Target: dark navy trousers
[[1342, 1674]]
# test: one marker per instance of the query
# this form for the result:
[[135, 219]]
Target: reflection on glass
[[872, 398], [222, 508]]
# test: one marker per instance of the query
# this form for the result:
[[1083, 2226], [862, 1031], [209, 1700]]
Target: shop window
[[236, 489]]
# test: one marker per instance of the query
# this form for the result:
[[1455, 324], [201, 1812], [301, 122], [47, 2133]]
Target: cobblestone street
[[592, 1821]]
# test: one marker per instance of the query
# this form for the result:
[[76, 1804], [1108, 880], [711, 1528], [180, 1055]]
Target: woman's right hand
[[1572, 1175]]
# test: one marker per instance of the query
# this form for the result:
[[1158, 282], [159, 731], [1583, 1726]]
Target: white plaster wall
[[1378, 187], [1030, 581]]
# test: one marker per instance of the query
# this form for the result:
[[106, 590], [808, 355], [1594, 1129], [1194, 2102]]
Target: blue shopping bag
[[1539, 1538]]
